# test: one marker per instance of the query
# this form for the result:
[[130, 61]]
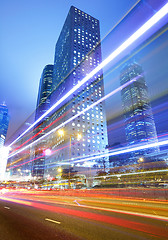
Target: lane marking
[[91, 207], [7, 207], [77, 202], [50, 220]]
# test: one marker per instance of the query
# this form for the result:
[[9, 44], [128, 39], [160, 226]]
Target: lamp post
[[141, 161], [59, 173], [78, 136]]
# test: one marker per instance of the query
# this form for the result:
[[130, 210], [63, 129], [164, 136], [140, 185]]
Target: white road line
[[163, 218], [78, 203], [7, 207], [50, 220]]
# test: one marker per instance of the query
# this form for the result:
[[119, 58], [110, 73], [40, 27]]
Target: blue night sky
[[29, 31]]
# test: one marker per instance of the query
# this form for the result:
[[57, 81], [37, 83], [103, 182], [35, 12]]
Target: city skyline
[[84, 86], [21, 47], [158, 51], [4, 122], [79, 35]]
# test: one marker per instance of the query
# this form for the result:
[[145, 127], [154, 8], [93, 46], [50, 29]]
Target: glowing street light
[[141, 159], [47, 152], [79, 136], [59, 170], [61, 132]]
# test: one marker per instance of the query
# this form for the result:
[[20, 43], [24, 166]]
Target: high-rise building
[[43, 104], [139, 121], [45, 88], [4, 121], [77, 53]]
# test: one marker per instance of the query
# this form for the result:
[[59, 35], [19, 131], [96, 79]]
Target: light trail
[[119, 151], [143, 29], [94, 216], [42, 130], [126, 150], [112, 153], [94, 156], [26, 162], [77, 115], [133, 173]]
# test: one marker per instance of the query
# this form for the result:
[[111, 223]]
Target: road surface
[[42, 216]]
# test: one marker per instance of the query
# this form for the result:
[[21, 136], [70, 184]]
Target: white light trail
[[121, 151], [77, 115], [144, 28], [112, 153], [134, 173]]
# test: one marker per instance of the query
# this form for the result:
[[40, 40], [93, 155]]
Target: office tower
[[139, 122], [77, 53], [43, 104], [4, 121], [45, 88]]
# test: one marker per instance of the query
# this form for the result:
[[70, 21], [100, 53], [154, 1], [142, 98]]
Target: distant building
[[43, 104], [139, 122], [45, 88], [77, 53], [4, 121]]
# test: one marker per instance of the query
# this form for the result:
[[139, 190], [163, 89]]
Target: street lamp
[[140, 160], [59, 170], [59, 173], [78, 137], [61, 132], [47, 152]]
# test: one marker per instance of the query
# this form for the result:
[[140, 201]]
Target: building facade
[[139, 121], [43, 104], [4, 122], [77, 53], [45, 88]]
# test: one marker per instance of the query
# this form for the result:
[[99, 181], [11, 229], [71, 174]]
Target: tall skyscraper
[[45, 88], [139, 122], [4, 121], [77, 53], [43, 104]]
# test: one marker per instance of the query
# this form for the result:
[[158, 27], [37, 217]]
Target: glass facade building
[[77, 53], [43, 104], [4, 121], [139, 121], [45, 88]]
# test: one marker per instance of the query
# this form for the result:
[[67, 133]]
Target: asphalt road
[[34, 217]]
